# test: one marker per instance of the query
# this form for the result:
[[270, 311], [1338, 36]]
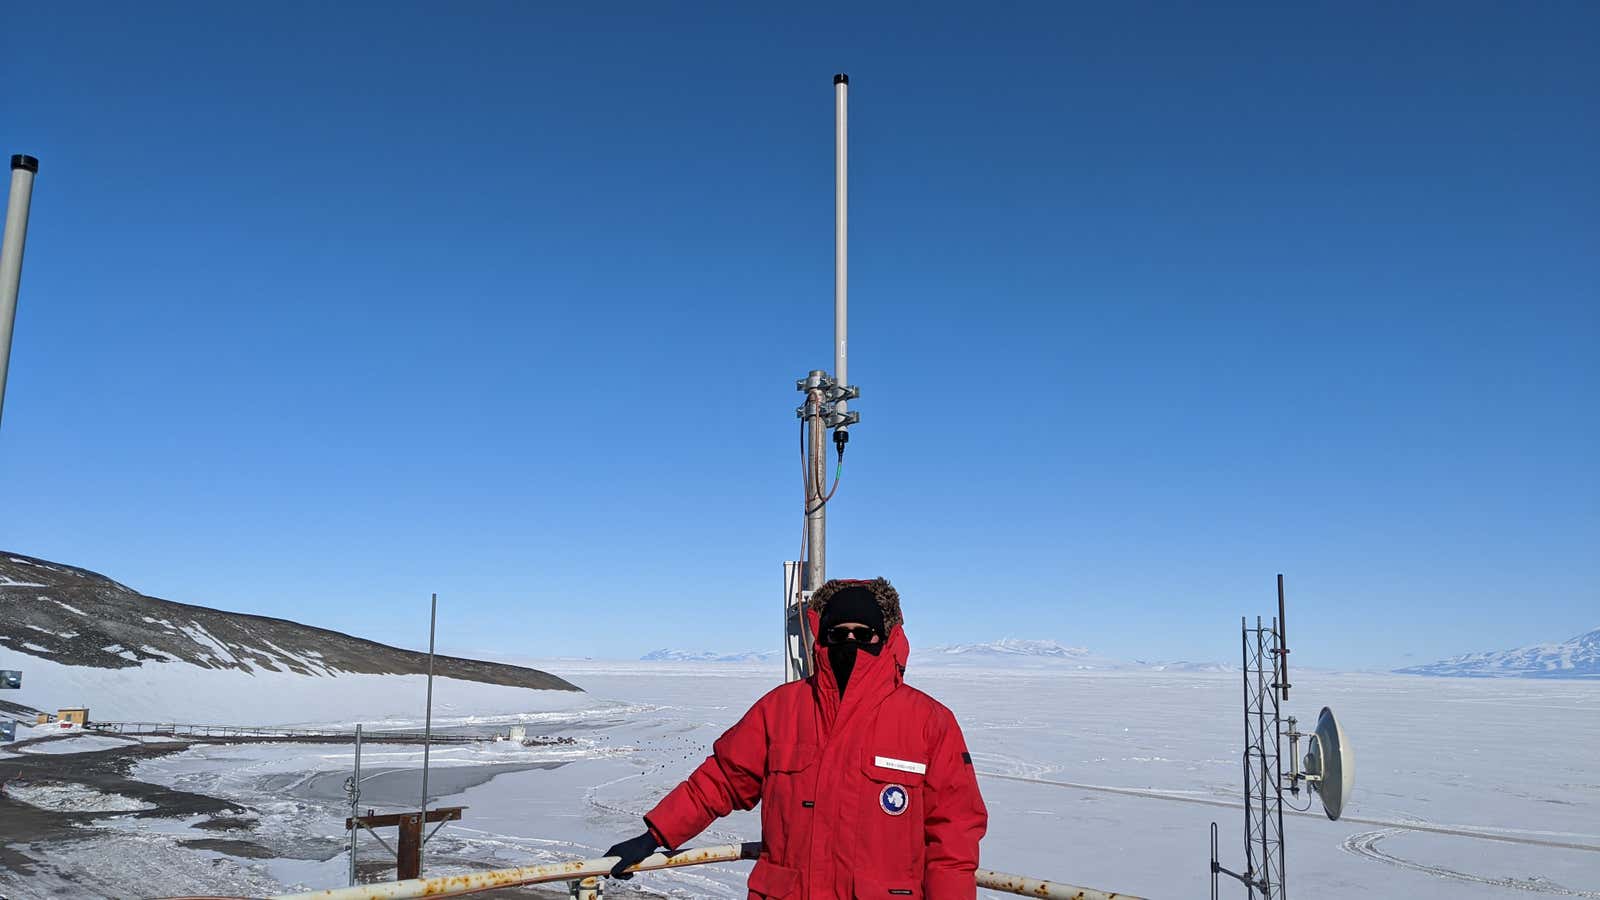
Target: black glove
[[632, 851]]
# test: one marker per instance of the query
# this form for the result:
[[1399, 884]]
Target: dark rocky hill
[[80, 618]]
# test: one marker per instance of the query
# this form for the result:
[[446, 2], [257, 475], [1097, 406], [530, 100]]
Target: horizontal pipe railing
[[577, 870], [1036, 887]]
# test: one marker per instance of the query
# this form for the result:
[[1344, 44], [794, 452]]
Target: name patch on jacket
[[900, 765]]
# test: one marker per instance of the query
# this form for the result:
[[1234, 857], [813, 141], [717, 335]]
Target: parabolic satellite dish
[[1330, 766]]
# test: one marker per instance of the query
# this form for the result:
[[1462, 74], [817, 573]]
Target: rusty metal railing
[[1035, 887], [581, 869], [576, 870]]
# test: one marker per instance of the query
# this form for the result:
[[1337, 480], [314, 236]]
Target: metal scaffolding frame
[[1263, 761], [1262, 663]]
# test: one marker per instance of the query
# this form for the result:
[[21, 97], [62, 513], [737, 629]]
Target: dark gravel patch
[[230, 847], [225, 823], [107, 771], [103, 770]]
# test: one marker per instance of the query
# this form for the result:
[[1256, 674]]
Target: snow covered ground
[[76, 743], [1513, 760], [71, 797]]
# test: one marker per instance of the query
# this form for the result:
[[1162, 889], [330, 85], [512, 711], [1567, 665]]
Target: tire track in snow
[[591, 797], [1365, 845], [1177, 797]]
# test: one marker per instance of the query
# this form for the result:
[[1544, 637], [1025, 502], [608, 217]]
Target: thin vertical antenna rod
[[1283, 644], [1282, 881], [841, 235], [23, 168], [355, 807], [427, 722]]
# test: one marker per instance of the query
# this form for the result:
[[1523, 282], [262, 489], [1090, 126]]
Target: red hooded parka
[[870, 797]]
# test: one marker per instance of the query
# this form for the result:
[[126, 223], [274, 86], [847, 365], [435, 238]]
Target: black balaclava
[[852, 604]]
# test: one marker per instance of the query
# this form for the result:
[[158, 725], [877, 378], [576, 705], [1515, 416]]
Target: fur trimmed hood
[[888, 598]]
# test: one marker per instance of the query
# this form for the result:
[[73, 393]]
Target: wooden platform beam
[[408, 853]]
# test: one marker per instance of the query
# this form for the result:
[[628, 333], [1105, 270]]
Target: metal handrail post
[[427, 726]]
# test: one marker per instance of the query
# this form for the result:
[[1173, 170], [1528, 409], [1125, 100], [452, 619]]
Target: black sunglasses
[[861, 634]]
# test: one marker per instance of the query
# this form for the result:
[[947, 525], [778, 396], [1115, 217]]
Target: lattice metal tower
[[1261, 650]]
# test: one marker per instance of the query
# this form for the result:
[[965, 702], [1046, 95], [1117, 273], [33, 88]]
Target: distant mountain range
[[1187, 666], [1019, 652], [664, 655], [1009, 649], [1012, 648], [1030, 652], [1575, 658]]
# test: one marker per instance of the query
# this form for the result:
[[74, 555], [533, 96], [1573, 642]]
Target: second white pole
[[841, 234], [18, 202]]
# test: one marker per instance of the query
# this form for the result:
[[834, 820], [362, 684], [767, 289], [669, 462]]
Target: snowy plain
[[1506, 759]]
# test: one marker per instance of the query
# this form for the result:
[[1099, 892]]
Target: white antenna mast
[[825, 407], [841, 244]]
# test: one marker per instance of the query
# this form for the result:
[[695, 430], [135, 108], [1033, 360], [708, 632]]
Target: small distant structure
[[519, 733], [73, 715], [44, 719]]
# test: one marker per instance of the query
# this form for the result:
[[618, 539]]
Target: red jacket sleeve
[[729, 779], [955, 817]]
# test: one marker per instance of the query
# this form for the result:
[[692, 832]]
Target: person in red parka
[[866, 787]]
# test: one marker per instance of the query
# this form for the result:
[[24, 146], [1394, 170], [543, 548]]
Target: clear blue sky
[[328, 306]]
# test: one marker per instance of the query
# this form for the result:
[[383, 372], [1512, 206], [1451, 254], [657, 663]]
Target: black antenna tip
[[841, 78], [20, 161]]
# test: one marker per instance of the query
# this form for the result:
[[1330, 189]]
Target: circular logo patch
[[893, 800]]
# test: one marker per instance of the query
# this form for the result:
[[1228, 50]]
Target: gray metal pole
[[1283, 643], [427, 722], [816, 489], [355, 806], [841, 233], [23, 168]]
